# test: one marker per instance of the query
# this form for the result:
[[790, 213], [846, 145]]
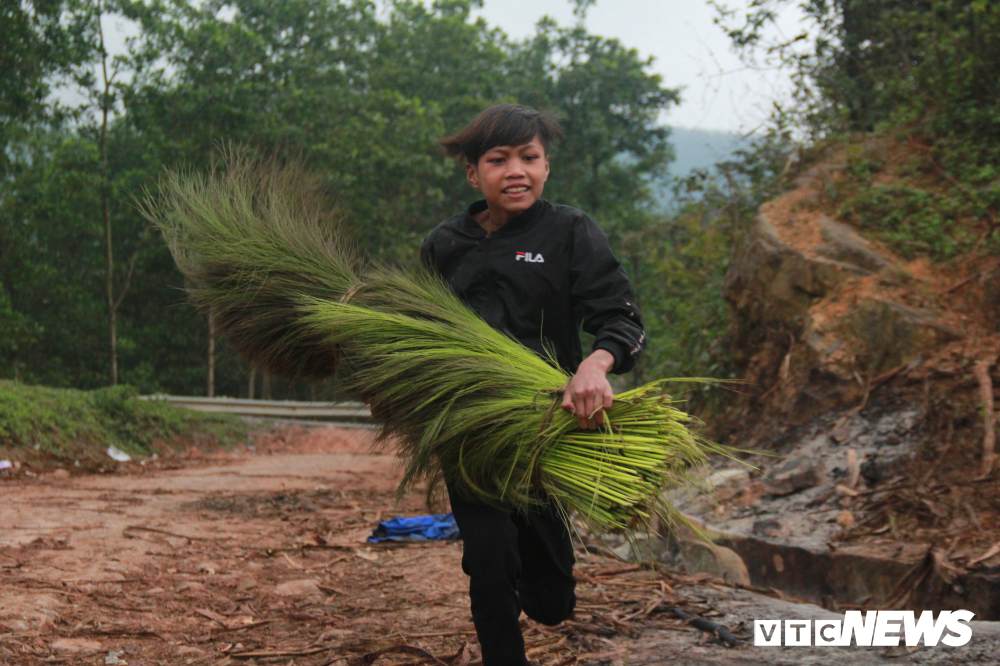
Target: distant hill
[[698, 149], [695, 149]]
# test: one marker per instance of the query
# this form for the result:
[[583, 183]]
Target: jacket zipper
[[495, 306]]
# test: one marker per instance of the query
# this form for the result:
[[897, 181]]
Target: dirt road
[[258, 557]]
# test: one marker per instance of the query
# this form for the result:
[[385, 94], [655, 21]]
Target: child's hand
[[588, 393]]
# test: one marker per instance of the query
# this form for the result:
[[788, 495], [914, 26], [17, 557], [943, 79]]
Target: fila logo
[[530, 258]]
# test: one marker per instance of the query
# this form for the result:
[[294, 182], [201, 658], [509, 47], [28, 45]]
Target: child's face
[[511, 178]]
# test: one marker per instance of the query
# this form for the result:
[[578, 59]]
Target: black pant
[[514, 562]]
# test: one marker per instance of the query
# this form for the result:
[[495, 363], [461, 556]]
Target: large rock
[[686, 553], [793, 475], [700, 557], [771, 281], [888, 333], [728, 483], [817, 309], [771, 287]]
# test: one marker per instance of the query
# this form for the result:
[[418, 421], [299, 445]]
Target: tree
[[53, 265], [922, 69], [615, 148], [103, 93], [858, 63], [39, 39]]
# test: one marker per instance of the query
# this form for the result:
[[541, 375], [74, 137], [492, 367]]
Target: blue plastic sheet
[[439, 527]]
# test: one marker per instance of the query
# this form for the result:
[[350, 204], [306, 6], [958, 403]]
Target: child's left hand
[[589, 393]]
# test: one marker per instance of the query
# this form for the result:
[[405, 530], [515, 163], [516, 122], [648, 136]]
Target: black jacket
[[539, 277]]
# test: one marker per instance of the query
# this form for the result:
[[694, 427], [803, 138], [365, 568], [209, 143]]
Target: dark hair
[[502, 125]]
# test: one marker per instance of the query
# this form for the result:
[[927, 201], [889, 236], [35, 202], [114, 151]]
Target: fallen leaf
[[994, 550]]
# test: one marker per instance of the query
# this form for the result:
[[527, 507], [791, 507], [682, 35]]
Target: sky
[[718, 92]]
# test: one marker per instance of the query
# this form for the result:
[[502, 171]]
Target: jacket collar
[[519, 223]]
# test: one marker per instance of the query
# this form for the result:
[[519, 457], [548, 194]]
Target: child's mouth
[[513, 191]]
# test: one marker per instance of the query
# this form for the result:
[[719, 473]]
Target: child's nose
[[515, 168]]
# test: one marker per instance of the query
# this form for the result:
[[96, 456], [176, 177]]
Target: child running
[[538, 272]]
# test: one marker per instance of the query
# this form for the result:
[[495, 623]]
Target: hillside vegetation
[[900, 101], [46, 426]]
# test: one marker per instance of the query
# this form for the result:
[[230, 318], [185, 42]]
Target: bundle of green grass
[[264, 253]]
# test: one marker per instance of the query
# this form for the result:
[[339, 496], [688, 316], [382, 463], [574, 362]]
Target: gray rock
[[701, 557], [769, 528], [691, 555], [793, 475], [727, 483]]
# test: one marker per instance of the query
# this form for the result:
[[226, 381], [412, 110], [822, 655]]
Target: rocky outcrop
[[861, 404], [820, 312]]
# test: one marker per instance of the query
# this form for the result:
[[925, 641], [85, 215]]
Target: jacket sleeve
[[603, 295], [427, 253]]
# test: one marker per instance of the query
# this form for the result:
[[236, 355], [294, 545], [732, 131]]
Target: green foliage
[[614, 150], [912, 221], [858, 64], [457, 397], [80, 425], [925, 70], [680, 264], [52, 269], [39, 39], [16, 332]]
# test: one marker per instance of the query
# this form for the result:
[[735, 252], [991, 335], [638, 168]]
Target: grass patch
[[38, 423], [913, 221], [898, 192]]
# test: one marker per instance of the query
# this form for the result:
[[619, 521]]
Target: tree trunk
[[250, 382], [110, 264], [106, 215], [210, 389], [265, 386]]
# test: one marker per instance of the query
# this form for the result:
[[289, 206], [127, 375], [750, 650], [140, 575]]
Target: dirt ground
[[258, 557]]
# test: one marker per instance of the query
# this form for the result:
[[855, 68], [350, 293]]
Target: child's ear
[[472, 173]]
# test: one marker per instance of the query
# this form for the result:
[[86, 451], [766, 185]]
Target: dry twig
[[994, 549], [982, 372]]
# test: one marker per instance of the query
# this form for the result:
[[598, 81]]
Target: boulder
[[889, 333], [701, 557], [728, 483], [689, 554], [795, 474]]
